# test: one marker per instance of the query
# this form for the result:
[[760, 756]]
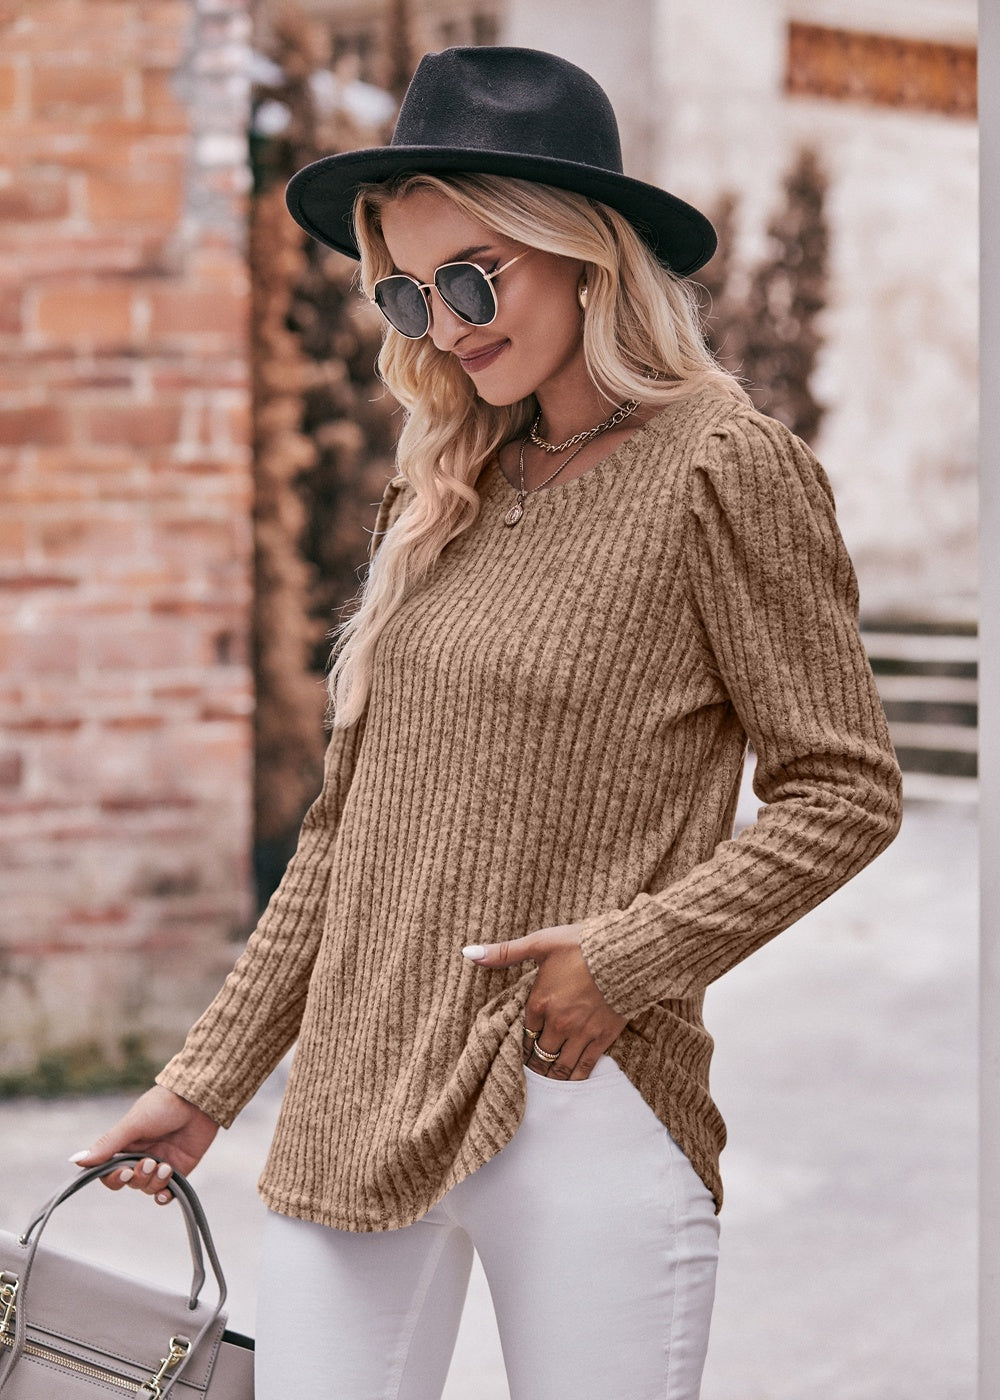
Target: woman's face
[[536, 341]]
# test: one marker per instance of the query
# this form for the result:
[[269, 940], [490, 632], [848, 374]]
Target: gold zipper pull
[[8, 1301], [179, 1348]]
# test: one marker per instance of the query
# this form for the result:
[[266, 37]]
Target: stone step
[[928, 683], [940, 787], [944, 738], [945, 690], [919, 648]]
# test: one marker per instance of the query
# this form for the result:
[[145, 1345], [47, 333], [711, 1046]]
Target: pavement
[[846, 1070]]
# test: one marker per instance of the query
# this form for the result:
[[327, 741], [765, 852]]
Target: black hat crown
[[518, 101]]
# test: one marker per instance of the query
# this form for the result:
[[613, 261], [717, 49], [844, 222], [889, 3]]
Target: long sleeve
[[255, 1018], [776, 597]]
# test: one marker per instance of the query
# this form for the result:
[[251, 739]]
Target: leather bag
[[74, 1330]]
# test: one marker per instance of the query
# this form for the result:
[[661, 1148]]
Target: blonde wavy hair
[[641, 338]]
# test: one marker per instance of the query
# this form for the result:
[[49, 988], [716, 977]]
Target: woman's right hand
[[169, 1129]]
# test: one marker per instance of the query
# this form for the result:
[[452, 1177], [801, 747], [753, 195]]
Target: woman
[[598, 574]]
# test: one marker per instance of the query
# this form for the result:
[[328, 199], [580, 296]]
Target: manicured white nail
[[147, 1165], [78, 1157], [162, 1197], [126, 1174], [474, 952], [163, 1170]]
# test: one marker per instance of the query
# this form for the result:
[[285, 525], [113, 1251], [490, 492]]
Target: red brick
[[13, 540], [213, 374], [75, 90], [45, 651], [128, 490], [136, 722], [175, 692], [10, 312], [8, 86], [44, 423], [34, 197], [224, 708], [81, 461], [207, 540], [80, 382], [97, 914], [165, 32], [144, 582], [99, 314], [238, 423], [130, 646], [95, 539], [137, 425], [11, 770], [153, 802], [167, 14], [108, 142], [102, 252], [35, 582], [147, 197], [30, 146], [30, 493], [177, 311], [161, 104], [46, 724], [71, 27]]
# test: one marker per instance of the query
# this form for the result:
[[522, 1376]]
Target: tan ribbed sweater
[[555, 734]]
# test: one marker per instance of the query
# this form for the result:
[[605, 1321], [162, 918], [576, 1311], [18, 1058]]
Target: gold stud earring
[[583, 292]]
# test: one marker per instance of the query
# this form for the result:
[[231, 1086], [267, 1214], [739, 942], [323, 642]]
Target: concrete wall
[[898, 373], [125, 693]]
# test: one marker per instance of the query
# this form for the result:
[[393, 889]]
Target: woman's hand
[[172, 1131], [566, 1017]]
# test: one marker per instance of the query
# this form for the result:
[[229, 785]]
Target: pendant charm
[[514, 514]]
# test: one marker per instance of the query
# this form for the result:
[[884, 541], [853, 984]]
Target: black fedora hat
[[503, 111]]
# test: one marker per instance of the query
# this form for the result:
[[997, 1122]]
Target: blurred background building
[[192, 439], [125, 521]]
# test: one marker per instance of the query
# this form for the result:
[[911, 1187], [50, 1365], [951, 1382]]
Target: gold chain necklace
[[516, 513], [620, 413]]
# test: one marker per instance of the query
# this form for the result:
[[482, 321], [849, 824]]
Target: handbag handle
[[191, 1208], [197, 1228]]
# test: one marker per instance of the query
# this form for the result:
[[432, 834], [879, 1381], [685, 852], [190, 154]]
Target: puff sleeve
[[775, 598]]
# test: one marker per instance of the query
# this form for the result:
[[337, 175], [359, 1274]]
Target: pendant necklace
[[516, 512], [517, 509]]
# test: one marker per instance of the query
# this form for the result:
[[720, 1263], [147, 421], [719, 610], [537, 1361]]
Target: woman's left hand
[[566, 1016]]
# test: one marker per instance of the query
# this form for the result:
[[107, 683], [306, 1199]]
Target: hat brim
[[321, 196]]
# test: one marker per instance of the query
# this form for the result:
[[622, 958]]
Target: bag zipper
[[81, 1368], [179, 1348]]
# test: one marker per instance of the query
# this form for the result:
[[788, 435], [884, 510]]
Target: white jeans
[[597, 1238]]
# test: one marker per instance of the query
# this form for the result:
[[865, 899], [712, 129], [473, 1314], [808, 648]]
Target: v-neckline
[[597, 469]]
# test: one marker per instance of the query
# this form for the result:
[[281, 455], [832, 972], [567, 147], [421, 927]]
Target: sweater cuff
[[173, 1078], [604, 942]]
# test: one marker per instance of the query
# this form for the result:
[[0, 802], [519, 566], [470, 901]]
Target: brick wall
[[125, 545]]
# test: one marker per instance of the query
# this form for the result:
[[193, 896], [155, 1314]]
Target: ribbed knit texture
[[555, 734]]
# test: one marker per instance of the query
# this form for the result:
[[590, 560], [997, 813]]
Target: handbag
[[74, 1330]]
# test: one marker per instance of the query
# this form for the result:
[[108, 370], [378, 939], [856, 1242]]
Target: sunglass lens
[[403, 305], [467, 292]]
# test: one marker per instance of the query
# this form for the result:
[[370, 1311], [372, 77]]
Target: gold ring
[[548, 1057], [532, 1035]]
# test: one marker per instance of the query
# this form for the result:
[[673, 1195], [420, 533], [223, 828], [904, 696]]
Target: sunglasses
[[464, 287]]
